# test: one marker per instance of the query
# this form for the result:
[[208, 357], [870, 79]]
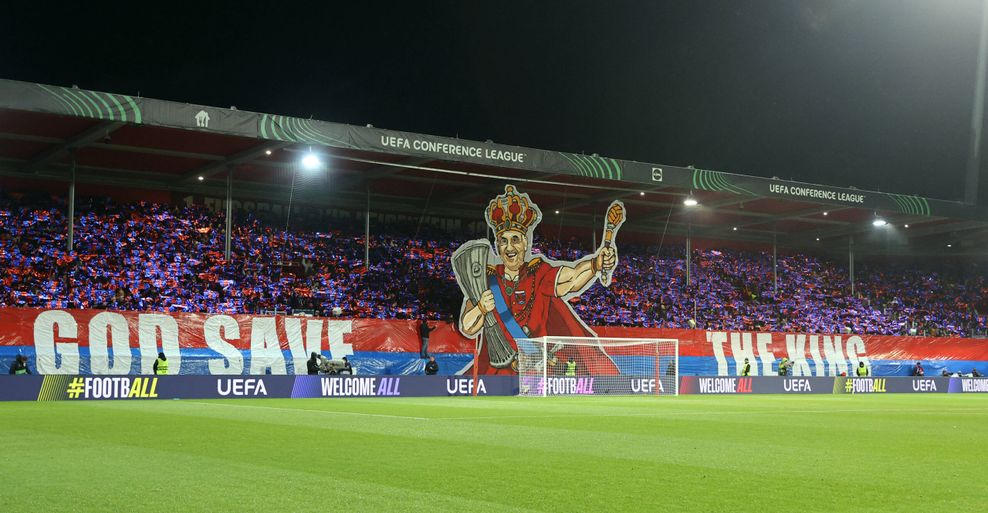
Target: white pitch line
[[331, 412], [680, 413], [970, 411]]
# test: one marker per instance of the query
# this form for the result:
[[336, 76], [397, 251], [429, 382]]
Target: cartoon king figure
[[520, 297]]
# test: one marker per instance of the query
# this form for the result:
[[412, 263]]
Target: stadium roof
[[128, 141]]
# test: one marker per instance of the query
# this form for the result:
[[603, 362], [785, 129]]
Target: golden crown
[[512, 211]]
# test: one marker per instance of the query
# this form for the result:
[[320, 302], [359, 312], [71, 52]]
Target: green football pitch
[[691, 453]]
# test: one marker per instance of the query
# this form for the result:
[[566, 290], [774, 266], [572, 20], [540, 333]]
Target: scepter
[[612, 222]]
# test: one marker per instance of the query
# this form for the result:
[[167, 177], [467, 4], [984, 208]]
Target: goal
[[597, 366]]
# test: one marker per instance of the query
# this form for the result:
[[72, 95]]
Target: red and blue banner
[[97, 342]]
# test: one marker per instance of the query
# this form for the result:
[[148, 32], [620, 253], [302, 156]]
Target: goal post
[[597, 366]]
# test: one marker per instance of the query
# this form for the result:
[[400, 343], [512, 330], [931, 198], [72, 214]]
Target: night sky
[[871, 93]]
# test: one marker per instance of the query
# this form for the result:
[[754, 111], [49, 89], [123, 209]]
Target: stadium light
[[879, 222], [557, 211], [267, 152], [950, 245], [690, 201], [642, 193], [818, 239], [906, 226], [311, 161], [734, 229], [826, 213], [200, 178]]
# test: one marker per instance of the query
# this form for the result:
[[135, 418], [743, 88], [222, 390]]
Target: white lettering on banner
[[974, 385], [644, 386], [349, 387], [717, 340], [115, 388], [834, 351], [718, 385], [464, 386], [99, 355], [566, 386], [241, 387], [394, 142], [924, 385], [47, 351], [818, 362], [445, 148], [765, 353], [810, 192], [301, 349], [856, 348], [868, 385], [796, 348], [797, 385], [337, 347], [742, 348], [231, 361], [830, 362], [265, 349], [148, 326]]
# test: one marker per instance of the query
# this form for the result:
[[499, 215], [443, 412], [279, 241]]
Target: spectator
[[161, 365], [312, 366], [862, 371], [431, 368], [19, 367], [424, 334], [149, 256], [784, 366], [918, 370]]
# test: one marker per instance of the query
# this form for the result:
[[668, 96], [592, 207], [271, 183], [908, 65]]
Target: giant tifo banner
[[722, 353], [95, 342], [121, 343]]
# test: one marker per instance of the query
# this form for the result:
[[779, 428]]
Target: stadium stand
[[149, 256]]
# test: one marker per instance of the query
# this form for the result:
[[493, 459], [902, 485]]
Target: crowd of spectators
[[156, 257]]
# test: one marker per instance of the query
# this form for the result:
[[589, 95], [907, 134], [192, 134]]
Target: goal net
[[596, 366]]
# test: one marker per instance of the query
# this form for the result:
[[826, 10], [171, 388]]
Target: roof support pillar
[[227, 232], [69, 236], [367, 233]]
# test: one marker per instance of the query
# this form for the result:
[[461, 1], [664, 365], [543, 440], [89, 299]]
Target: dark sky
[[871, 93]]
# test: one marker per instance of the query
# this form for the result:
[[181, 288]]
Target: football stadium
[[215, 309]]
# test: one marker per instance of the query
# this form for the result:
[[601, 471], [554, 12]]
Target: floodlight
[[311, 161]]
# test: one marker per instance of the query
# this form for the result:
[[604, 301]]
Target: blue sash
[[501, 306]]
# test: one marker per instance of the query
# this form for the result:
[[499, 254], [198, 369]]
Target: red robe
[[534, 304]]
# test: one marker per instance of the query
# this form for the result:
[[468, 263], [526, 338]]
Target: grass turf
[[692, 453]]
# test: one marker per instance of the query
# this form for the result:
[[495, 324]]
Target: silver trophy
[[470, 266]]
